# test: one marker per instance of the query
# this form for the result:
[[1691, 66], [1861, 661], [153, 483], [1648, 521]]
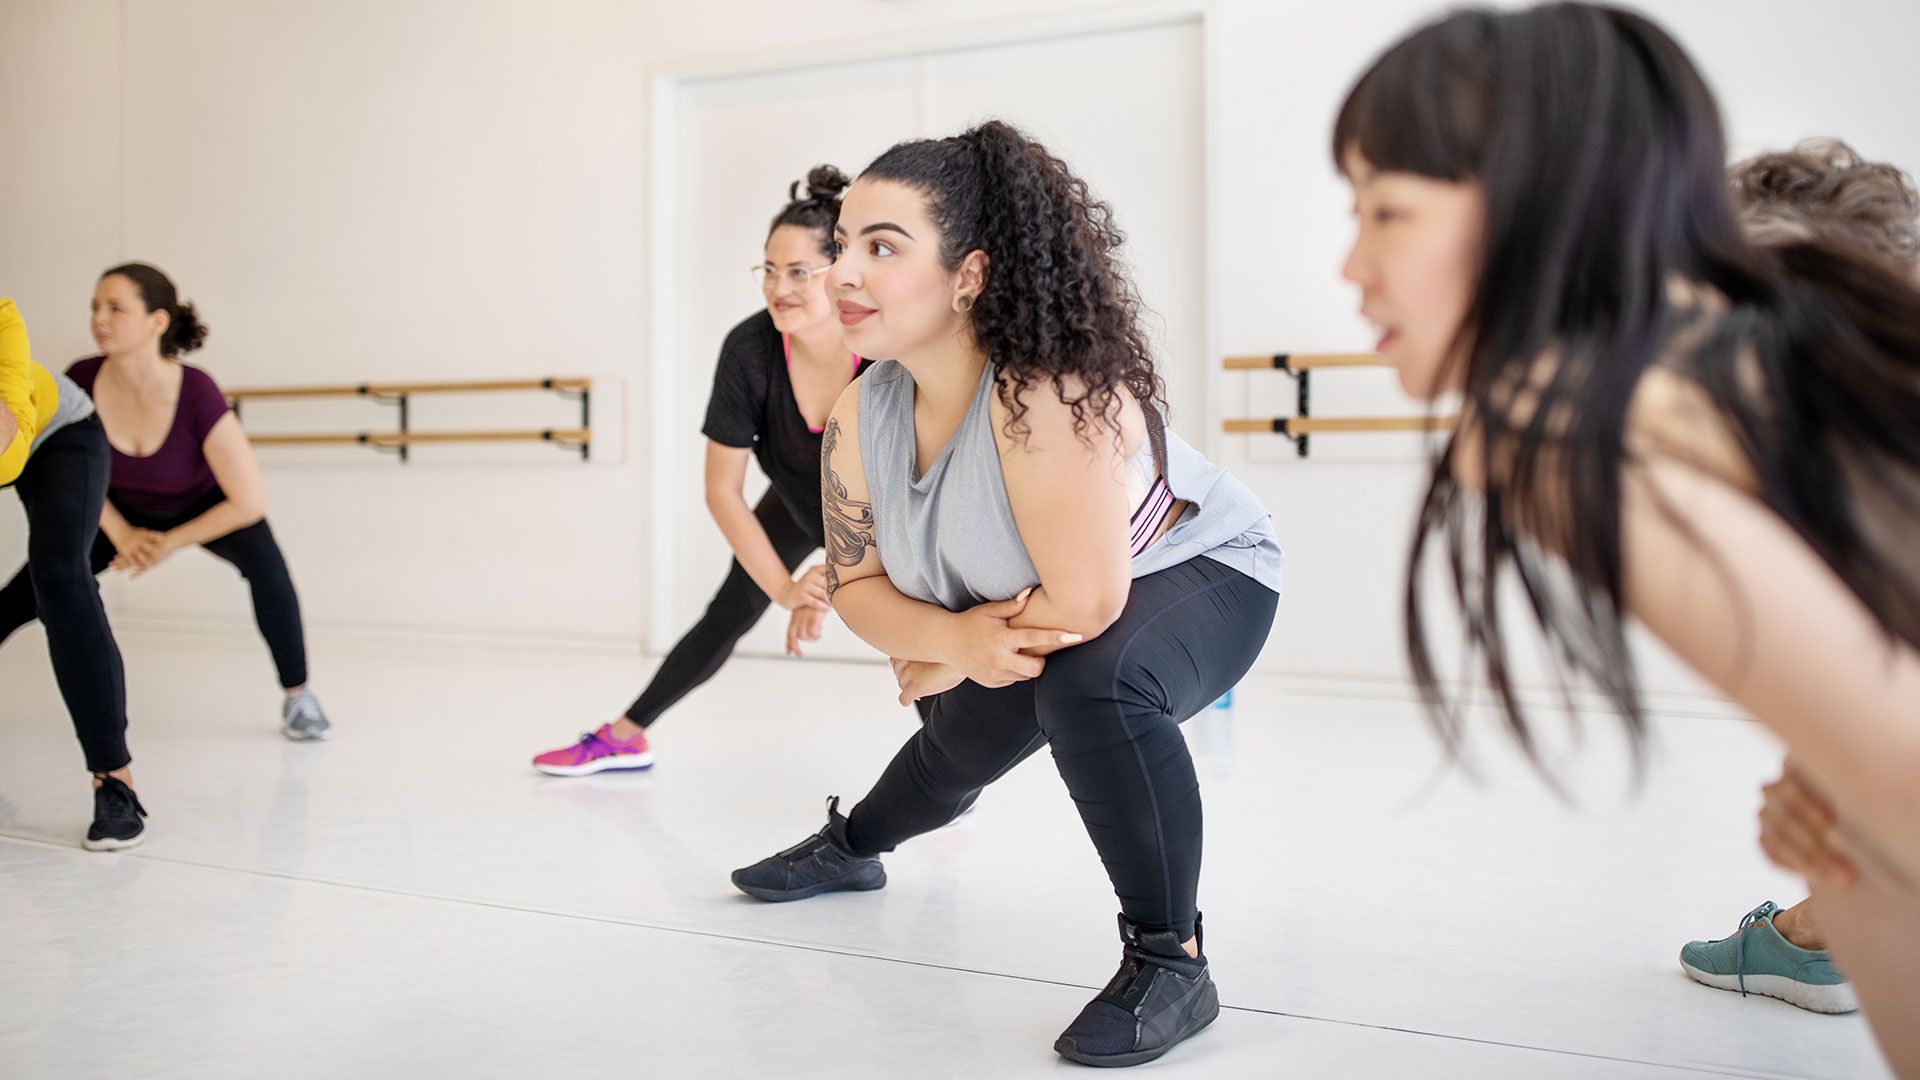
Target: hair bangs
[[1422, 107]]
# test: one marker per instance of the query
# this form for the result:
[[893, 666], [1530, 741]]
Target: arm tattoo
[[848, 523]]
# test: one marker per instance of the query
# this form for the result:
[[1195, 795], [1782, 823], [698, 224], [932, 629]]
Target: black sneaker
[[1159, 996], [823, 862], [116, 817]]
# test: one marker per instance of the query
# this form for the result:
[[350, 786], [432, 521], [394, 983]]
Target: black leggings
[[735, 608], [252, 550], [63, 487], [1111, 710]]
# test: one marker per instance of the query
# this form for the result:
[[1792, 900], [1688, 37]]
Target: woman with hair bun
[[780, 371], [183, 472], [1008, 519]]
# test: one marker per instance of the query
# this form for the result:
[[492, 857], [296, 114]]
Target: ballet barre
[[1302, 426], [568, 437], [1300, 366], [1302, 361], [399, 394]]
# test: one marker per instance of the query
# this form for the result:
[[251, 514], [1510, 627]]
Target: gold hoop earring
[[963, 303]]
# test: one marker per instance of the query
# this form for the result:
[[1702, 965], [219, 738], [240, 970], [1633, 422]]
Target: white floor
[[412, 900]]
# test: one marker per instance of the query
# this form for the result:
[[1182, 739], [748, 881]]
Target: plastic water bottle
[[1226, 700]]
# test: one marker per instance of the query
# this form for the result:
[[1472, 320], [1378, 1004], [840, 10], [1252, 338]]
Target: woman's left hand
[[1799, 832], [922, 678], [804, 624]]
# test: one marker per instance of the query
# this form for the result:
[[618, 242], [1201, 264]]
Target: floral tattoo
[[848, 523]]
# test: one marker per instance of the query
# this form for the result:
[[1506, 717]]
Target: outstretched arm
[[726, 477]]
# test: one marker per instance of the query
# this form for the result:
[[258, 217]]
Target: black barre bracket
[[586, 412], [1303, 397]]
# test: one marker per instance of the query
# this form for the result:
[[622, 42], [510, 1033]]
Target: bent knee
[[61, 579]]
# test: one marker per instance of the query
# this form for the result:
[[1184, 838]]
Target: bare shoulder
[[840, 464], [1672, 417]]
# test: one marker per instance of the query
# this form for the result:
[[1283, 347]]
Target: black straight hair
[[1599, 152]]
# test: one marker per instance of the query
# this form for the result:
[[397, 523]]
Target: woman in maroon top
[[183, 472]]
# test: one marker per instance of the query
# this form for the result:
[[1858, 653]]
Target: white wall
[[449, 188]]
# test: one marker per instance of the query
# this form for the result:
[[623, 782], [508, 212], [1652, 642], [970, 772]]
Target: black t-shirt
[[753, 407]]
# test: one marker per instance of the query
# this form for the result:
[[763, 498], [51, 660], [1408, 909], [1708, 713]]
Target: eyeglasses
[[797, 276]]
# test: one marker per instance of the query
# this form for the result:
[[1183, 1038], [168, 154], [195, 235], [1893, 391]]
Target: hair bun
[[187, 332], [826, 183]]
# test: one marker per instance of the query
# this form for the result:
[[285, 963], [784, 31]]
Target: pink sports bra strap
[[1146, 519]]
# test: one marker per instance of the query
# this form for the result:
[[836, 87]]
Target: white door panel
[[742, 140]]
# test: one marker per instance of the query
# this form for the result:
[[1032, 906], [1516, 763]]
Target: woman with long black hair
[[1008, 520], [1660, 420]]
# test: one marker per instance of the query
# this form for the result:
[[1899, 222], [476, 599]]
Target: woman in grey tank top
[[1007, 520]]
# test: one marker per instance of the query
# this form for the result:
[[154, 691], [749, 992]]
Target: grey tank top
[[74, 407], [949, 537]]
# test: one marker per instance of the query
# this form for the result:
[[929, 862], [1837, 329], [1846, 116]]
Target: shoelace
[[1754, 918], [589, 738]]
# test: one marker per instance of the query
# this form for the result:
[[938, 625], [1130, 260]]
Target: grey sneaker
[[1758, 960], [301, 719]]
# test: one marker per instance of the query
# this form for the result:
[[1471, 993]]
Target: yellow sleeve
[[16, 391]]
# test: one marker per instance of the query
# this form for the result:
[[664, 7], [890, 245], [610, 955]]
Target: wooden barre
[[563, 436], [385, 390], [1316, 425], [1303, 361]]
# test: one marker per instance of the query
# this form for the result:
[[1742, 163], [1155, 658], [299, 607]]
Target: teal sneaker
[[1757, 960]]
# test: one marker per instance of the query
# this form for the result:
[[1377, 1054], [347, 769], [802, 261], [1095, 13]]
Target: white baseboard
[[1539, 697], [1349, 685]]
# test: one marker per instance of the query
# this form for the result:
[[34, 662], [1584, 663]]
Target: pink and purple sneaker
[[596, 751]]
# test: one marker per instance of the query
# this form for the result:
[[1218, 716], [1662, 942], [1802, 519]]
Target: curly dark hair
[[1824, 188], [1055, 305], [818, 209], [185, 332]]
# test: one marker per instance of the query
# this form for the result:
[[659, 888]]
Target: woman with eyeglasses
[[779, 374]]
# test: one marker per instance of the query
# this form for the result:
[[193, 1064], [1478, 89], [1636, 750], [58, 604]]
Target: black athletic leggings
[[735, 608], [1111, 709], [63, 487], [251, 549]]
